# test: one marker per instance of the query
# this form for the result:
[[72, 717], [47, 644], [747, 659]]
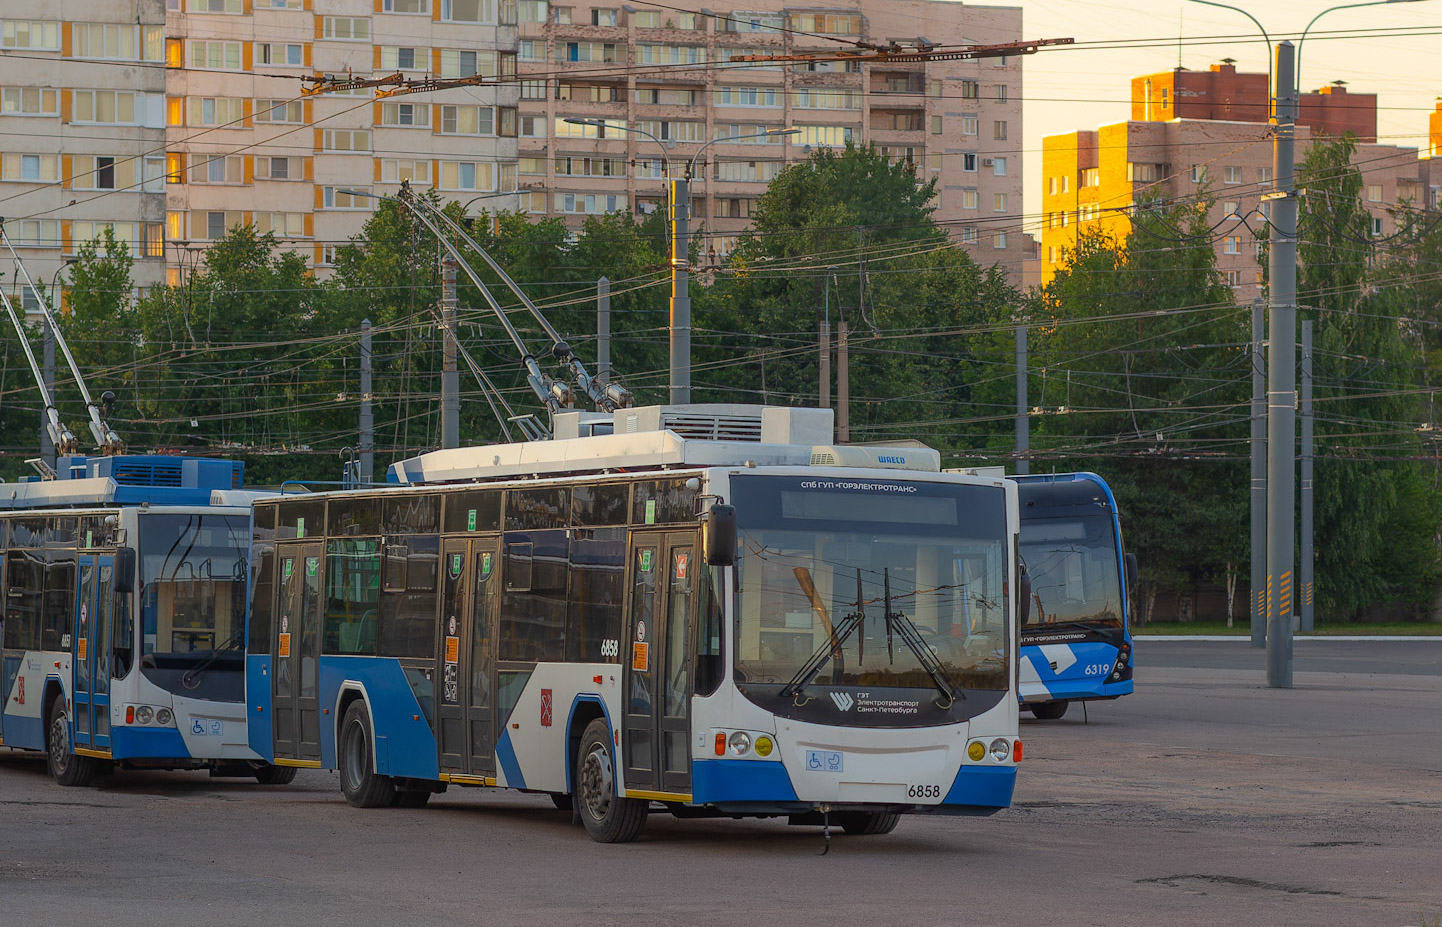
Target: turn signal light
[[1016, 751], [721, 744], [129, 714]]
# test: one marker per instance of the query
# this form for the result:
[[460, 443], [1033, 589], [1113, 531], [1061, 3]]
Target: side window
[[408, 609], [59, 599], [597, 594], [710, 661], [262, 601], [533, 616], [352, 596], [25, 593]]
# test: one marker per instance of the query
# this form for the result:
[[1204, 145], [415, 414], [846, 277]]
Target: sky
[[1081, 88]]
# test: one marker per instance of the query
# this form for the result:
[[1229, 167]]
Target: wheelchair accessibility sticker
[[825, 761]]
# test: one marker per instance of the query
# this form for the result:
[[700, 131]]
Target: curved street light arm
[[1265, 37]]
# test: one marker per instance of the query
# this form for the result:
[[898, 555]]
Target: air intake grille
[[823, 459], [147, 474], [714, 427]]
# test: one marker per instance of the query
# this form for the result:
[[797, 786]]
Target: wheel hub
[[597, 782]]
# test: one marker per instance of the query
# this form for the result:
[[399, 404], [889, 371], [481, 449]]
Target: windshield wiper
[[836, 636], [191, 678], [912, 638]]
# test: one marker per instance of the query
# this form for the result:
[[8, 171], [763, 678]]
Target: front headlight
[[163, 716], [144, 714], [976, 752], [740, 743], [763, 745], [1000, 749]]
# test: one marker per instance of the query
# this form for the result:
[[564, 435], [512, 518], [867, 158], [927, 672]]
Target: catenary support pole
[[603, 330], [843, 386], [367, 411], [680, 292], [1304, 562], [450, 376], [1259, 474], [1282, 376], [1023, 423]]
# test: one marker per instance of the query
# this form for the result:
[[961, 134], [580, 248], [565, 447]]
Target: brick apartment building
[[1194, 133]]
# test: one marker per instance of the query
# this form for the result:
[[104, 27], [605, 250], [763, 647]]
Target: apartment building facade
[[172, 121], [675, 96], [1094, 178]]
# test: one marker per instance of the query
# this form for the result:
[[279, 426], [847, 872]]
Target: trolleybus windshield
[[193, 572], [865, 562], [1074, 573]]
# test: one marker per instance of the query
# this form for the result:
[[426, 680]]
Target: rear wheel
[[362, 785], [608, 817], [1049, 711], [269, 774], [868, 823], [65, 767]]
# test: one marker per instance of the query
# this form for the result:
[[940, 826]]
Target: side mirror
[[1131, 562], [721, 535], [125, 570], [1023, 589]]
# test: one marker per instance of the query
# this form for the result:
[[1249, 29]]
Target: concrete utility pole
[[824, 342], [47, 446], [1304, 568], [1282, 375], [680, 292], [1023, 423], [450, 378], [843, 386], [603, 330], [367, 412], [1259, 475]]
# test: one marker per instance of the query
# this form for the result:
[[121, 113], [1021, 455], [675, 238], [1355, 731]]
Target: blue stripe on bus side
[[260, 729], [982, 786], [150, 743], [570, 764], [24, 733], [400, 723], [715, 781], [506, 759]]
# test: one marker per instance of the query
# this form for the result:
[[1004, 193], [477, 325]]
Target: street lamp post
[[1282, 350]]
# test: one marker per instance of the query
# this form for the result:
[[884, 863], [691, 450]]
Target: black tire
[[362, 785], [411, 798], [868, 823], [607, 817], [1049, 711], [562, 801], [275, 775], [65, 766]]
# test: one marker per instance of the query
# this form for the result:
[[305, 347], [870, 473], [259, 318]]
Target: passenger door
[[89, 653], [468, 597], [294, 688], [657, 690]]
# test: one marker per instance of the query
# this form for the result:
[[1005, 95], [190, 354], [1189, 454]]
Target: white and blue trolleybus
[[1076, 643], [123, 621], [709, 610]]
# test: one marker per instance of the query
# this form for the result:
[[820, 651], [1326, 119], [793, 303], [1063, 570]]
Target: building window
[[282, 111], [998, 169], [1229, 209], [1376, 225], [1374, 193], [1232, 244], [281, 224], [108, 107], [970, 90], [279, 54], [405, 115], [218, 169], [970, 199], [969, 125], [399, 170], [345, 140], [998, 240], [214, 111], [36, 36], [998, 130], [605, 17], [459, 63], [467, 120], [1231, 175], [346, 198], [827, 23], [1234, 278], [468, 175], [29, 101], [823, 136], [531, 11], [1264, 175], [270, 168], [406, 6], [215, 56], [999, 92], [998, 202], [404, 58], [935, 125], [30, 167], [468, 11], [1091, 177], [34, 233], [533, 90], [968, 234], [772, 97], [233, 7], [968, 161], [346, 28]]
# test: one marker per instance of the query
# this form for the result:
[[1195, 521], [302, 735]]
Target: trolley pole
[[367, 411], [47, 446], [1259, 475], [450, 378], [603, 330], [1282, 376], [680, 293], [1023, 424]]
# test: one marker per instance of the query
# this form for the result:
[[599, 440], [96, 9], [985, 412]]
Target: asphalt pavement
[[1204, 799]]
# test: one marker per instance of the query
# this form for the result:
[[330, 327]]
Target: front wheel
[[868, 823], [608, 817], [362, 785], [1049, 711], [65, 766], [268, 774]]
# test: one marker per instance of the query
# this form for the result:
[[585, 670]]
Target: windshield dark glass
[[1073, 567], [193, 570], [867, 561]]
